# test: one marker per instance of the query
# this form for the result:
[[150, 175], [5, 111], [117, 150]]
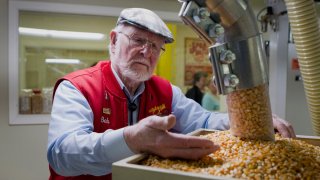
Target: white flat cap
[[145, 19]]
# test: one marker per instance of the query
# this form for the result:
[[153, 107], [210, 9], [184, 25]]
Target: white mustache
[[141, 61]]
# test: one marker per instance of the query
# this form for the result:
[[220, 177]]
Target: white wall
[[22, 154]]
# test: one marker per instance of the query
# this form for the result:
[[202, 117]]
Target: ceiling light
[[61, 34], [63, 61]]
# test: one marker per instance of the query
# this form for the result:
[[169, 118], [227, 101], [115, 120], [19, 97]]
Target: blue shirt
[[210, 102], [73, 147]]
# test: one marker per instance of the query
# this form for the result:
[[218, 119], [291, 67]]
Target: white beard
[[136, 76]]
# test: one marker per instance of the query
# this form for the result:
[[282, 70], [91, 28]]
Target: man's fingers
[[284, 127], [293, 134], [183, 146], [283, 130], [290, 129], [190, 153], [153, 136], [186, 141], [161, 122]]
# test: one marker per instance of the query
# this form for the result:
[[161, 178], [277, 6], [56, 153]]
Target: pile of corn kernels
[[250, 113], [250, 159]]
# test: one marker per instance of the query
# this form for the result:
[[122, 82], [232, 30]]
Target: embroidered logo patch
[[157, 109]]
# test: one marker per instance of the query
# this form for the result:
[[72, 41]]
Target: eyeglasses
[[139, 42]]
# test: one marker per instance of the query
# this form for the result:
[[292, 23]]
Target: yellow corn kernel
[[250, 159]]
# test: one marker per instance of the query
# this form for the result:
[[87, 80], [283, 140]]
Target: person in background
[[210, 100], [198, 87], [118, 108]]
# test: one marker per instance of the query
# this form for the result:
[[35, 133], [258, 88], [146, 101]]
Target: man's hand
[[283, 127], [151, 135]]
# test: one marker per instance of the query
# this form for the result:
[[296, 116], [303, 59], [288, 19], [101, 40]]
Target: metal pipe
[[229, 27], [238, 60]]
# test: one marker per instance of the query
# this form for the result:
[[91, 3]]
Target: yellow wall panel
[[166, 66]]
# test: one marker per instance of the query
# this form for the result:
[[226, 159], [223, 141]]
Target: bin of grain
[[284, 158]]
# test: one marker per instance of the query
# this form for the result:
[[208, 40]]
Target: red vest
[[109, 103]]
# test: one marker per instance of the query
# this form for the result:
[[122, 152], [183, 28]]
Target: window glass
[[52, 45]]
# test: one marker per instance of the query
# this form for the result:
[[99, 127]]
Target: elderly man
[[118, 108]]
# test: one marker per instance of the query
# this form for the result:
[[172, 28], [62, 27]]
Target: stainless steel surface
[[202, 24], [229, 26], [249, 65]]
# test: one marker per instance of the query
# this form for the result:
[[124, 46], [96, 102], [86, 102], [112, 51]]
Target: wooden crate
[[130, 169]]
